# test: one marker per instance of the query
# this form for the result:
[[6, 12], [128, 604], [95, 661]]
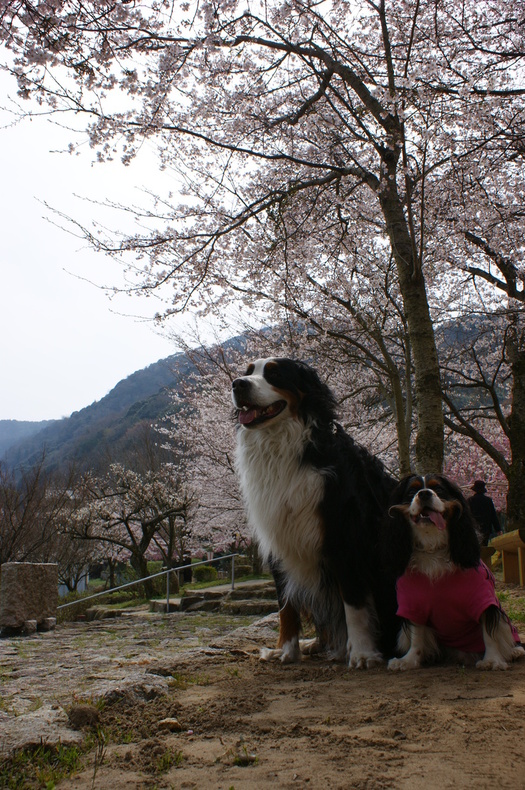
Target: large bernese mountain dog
[[315, 501], [446, 594]]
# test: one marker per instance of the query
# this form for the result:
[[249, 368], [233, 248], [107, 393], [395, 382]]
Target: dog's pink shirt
[[451, 605]]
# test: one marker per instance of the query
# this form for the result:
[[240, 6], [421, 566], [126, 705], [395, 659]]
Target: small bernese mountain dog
[[315, 501], [446, 595]]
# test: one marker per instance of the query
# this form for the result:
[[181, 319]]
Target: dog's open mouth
[[255, 415], [429, 516]]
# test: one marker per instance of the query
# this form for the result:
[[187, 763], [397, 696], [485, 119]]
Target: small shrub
[[72, 613], [158, 584], [205, 573], [242, 569]]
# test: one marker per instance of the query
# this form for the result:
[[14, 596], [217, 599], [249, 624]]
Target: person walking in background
[[484, 512]]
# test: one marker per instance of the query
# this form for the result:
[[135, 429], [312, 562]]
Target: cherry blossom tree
[[482, 357], [299, 129], [484, 250], [138, 512], [204, 427], [467, 462]]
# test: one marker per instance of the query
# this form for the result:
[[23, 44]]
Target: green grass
[[41, 767], [170, 759], [514, 606], [182, 681], [221, 582]]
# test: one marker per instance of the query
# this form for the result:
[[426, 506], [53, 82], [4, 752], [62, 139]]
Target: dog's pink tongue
[[246, 417], [437, 519]]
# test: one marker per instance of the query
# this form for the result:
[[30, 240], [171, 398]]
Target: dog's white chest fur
[[282, 497]]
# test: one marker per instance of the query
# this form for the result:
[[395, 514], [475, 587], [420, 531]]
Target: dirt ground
[[225, 720], [252, 725]]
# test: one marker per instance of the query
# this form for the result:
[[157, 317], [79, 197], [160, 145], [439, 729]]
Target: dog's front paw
[[290, 658], [364, 660], [494, 663], [289, 653], [270, 654], [310, 647], [517, 653], [404, 663]]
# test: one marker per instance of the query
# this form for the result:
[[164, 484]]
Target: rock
[[138, 690], [81, 716], [49, 724], [172, 725]]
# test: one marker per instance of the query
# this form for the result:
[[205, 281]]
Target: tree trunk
[[112, 565], [516, 476], [140, 565], [430, 440], [402, 428]]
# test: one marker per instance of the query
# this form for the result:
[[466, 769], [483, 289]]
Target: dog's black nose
[[425, 494], [238, 385]]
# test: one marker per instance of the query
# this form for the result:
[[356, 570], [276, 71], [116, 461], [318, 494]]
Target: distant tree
[[32, 509], [467, 462], [204, 428], [134, 511], [485, 378], [74, 558], [484, 395]]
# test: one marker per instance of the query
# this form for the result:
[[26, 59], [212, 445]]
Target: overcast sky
[[64, 344]]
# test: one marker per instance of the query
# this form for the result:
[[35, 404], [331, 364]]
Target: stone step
[[205, 605], [100, 613], [252, 606], [264, 590], [257, 598], [193, 597], [161, 606]]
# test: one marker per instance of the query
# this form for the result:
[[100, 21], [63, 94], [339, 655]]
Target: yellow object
[[512, 548]]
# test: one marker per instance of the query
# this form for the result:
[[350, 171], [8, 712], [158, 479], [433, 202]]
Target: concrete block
[[28, 591], [48, 624]]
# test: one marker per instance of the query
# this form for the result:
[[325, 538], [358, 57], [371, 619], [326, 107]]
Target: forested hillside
[[103, 429], [15, 431]]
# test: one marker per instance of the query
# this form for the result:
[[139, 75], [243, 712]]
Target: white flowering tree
[[142, 513], [317, 144]]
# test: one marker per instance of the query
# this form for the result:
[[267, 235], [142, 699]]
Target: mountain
[[14, 431], [108, 429], [105, 428]]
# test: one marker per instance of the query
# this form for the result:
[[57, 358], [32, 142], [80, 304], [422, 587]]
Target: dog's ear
[[395, 510], [317, 398], [463, 537]]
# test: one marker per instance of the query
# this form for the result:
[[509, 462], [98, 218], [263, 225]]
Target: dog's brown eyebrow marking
[[416, 484], [250, 369], [432, 482], [271, 364]]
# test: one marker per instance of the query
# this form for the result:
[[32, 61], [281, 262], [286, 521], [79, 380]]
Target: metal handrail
[[154, 576]]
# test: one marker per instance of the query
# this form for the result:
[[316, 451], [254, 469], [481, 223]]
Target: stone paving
[[43, 674]]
